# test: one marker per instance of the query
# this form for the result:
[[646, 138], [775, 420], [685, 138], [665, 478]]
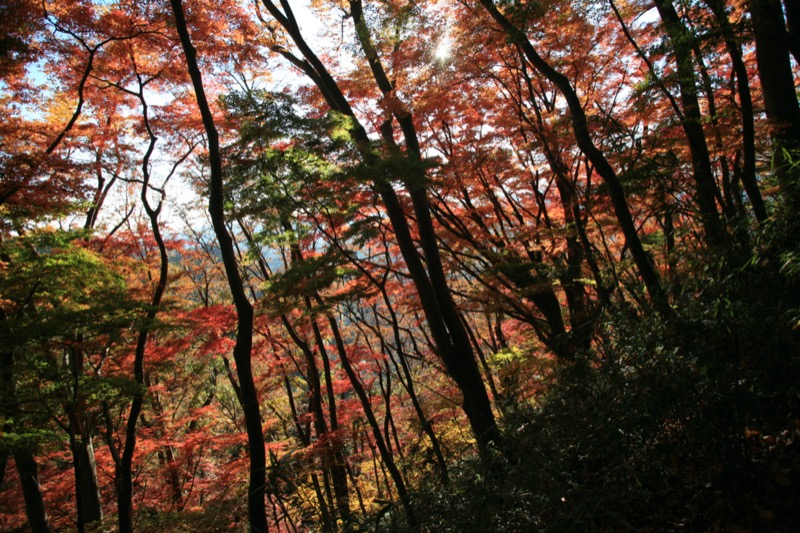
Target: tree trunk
[[256, 501], [23, 458], [32, 491], [408, 383], [166, 455], [705, 186], [123, 474], [581, 322], [734, 49], [459, 362], [334, 459], [87, 492], [780, 97], [792, 10], [450, 336]]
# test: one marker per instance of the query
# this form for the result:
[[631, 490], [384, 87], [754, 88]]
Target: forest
[[399, 265]]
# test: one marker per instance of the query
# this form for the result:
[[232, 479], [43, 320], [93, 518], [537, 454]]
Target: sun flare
[[444, 49]]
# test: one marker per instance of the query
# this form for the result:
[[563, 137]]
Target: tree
[[584, 139], [429, 277], [439, 237], [244, 336], [58, 283]]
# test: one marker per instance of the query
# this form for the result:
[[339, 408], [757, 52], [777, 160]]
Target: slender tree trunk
[[334, 459], [451, 338], [580, 320], [327, 520], [329, 456], [123, 474], [705, 186], [305, 439], [535, 285], [734, 49], [463, 370], [256, 500], [408, 384], [334, 456], [166, 454]]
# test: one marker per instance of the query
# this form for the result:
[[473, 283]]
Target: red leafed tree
[[320, 265]]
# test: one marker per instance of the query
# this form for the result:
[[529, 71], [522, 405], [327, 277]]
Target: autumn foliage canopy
[[393, 265]]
